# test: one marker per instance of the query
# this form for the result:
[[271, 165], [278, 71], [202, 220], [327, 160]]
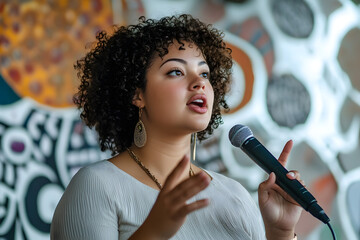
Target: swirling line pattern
[[42, 149]]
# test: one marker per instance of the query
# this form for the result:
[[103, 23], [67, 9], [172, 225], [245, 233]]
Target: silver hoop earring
[[140, 132]]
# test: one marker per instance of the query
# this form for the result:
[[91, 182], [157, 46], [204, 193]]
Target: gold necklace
[[147, 171]]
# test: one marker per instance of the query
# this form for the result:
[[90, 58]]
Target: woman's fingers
[[189, 188], [285, 152], [293, 174], [173, 179], [174, 195], [265, 187], [188, 208], [171, 207]]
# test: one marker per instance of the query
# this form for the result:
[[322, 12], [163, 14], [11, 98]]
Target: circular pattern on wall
[[294, 17], [288, 101], [349, 57], [17, 145]]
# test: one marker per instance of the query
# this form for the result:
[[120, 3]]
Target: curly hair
[[116, 66]]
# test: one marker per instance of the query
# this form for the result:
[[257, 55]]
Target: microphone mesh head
[[238, 134]]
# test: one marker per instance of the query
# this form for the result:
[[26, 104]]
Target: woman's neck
[[161, 155]]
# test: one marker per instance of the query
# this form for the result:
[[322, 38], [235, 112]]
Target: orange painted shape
[[244, 62]]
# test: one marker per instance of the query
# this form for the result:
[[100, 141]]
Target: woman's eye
[[205, 75], [175, 73]]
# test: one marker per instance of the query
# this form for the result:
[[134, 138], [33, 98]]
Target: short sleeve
[[86, 210]]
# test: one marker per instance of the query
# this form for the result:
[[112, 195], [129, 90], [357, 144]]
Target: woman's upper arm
[[86, 210]]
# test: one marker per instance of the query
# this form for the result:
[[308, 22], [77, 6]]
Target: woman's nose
[[197, 84]]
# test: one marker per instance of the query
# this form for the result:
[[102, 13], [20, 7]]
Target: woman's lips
[[198, 103], [197, 108]]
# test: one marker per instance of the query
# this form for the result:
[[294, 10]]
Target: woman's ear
[[138, 99]]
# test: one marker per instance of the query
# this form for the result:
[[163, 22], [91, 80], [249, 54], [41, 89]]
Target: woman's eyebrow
[[180, 61], [176, 60], [202, 63]]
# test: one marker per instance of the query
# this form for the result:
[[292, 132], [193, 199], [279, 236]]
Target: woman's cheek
[[172, 97]]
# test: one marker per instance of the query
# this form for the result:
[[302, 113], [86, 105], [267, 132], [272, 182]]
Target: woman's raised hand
[[280, 212], [171, 208]]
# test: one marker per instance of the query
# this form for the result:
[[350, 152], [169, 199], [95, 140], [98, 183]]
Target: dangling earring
[[194, 136], [140, 132]]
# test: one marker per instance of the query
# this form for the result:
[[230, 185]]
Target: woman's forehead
[[183, 49]]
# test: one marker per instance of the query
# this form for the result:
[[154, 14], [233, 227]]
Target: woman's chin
[[199, 128]]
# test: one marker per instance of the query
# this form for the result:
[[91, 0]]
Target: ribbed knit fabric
[[104, 202]]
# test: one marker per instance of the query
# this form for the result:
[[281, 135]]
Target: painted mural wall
[[296, 76]]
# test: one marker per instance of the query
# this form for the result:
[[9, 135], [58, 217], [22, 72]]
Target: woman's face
[[178, 96]]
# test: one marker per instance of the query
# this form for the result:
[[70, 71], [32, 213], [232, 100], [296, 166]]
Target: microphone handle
[[262, 157]]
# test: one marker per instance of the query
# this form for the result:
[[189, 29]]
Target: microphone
[[242, 137]]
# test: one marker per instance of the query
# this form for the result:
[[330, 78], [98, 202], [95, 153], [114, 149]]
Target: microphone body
[[241, 136]]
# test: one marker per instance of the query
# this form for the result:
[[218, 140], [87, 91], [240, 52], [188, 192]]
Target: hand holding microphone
[[242, 137]]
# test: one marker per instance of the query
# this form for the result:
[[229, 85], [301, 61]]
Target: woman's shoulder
[[99, 167], [97, 174], [104, 168]]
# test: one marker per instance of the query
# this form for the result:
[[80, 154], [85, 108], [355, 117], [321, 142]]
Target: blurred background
[[296, 76]]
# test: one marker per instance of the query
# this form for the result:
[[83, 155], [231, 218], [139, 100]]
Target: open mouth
[[198, 103]]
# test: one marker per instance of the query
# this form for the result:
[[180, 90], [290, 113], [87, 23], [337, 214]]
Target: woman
[[146, 89]]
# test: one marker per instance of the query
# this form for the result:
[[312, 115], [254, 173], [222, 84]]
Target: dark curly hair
[[116, 66]]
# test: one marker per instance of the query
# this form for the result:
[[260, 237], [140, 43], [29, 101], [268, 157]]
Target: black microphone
[[242, 137]]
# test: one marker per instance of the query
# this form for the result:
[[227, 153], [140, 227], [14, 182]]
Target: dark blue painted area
[[7, 95]]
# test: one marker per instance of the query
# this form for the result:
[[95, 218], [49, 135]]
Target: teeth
[[198, 101]]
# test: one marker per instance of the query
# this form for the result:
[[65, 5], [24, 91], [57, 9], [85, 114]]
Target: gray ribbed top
[[104, 202], [238, 134]]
